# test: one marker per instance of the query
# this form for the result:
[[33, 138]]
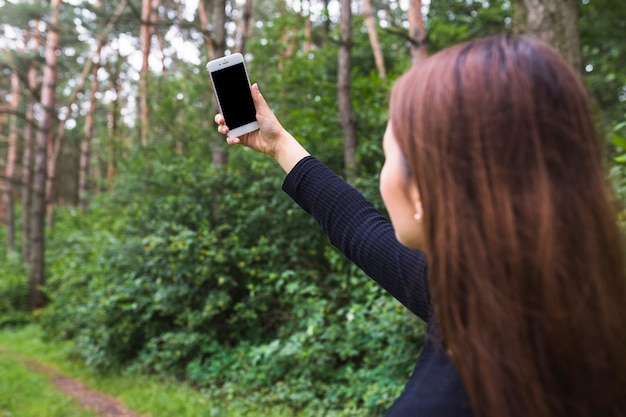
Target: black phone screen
[[233, 92]]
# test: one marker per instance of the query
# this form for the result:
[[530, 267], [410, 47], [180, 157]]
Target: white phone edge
[[242, 130], [225, 62]]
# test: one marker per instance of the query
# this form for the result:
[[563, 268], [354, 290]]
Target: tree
[[27, 152], [9, 172], [145, 39], [553, 21], [373, 35], [85, 147], [346, 113], [214, 32], [417, 31], [38, 225]]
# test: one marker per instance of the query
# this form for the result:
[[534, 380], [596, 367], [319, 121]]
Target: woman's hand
[[271, 138]]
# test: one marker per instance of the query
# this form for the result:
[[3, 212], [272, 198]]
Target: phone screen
[[233, 92]]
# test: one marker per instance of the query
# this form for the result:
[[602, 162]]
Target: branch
[[21, 115], [102, 37]]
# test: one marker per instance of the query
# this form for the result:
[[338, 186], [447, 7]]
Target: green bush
[[222, 280], [14, 308]]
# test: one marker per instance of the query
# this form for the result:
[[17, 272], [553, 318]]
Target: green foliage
[[454, 21], [603, 36], [211, 271], [14, 309]]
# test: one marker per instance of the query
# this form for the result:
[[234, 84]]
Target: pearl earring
[[418, 215]]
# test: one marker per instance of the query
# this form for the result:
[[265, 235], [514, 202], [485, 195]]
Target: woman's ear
[[414, 195], [418, 212]]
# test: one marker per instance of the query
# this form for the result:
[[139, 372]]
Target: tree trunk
[[373, 35], [287, 40], [155, 21], [220, 157], [553, 21], [112, 120], [203, 16], [9, 171], [327, 21], [308, 26], [37, 259], [85, 146], [145, 36], [245, 26], [215, 39], [27, 154], [348, 120], [417, 31]]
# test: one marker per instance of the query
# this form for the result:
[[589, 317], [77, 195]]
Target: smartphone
[[231, 85]]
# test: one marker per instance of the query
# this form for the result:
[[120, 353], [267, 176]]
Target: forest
[[131, 230]]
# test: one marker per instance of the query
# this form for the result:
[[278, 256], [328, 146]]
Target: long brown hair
[[526, 259]]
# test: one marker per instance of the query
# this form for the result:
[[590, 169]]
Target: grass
[[144, 394], [24, 393]]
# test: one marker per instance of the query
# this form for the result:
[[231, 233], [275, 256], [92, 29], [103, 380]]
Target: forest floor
[[97, 402]]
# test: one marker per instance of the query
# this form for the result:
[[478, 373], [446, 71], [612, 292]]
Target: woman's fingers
[[221, 127], [233, 141]]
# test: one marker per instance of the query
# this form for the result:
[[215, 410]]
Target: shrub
[[14, 307], [222, 280]]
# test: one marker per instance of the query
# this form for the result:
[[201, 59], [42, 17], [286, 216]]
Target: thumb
[[259, 102]]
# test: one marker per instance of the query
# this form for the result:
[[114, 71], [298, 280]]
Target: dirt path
[[99, 403], [102, 404]]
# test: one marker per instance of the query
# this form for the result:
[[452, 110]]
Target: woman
[[493, 169]]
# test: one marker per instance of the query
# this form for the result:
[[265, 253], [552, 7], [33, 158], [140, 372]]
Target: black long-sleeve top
[[355, 227]]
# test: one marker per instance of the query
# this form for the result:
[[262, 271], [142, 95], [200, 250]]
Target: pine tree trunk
[[112, 120], [553, 21], [85, 146], [308, 26], [417, 31], [373, 35], [37, 259], [27, 155], [203, 16], [220, 157], [348, 120], [9, 171], [215, 41], [244, 32], [145, 41], [27, 175]]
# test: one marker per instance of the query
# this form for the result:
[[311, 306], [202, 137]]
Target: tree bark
[[37, 259], [373, 35], [215, 38], [417, 31], [203, 16], [27, 154], [245, 26], [85, 146], [112, 120], [308, 26], [348, 120], [9, 170], [287, 40], [145, 36], [553, 21], [214, 32]]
